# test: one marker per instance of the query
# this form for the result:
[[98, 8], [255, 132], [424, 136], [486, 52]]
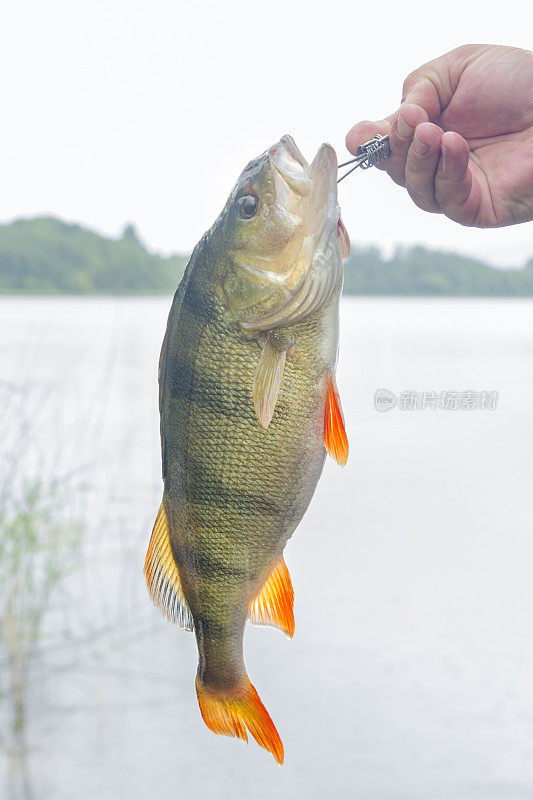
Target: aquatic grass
[[40, 537]]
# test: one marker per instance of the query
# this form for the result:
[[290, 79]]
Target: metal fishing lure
[[373, 152]]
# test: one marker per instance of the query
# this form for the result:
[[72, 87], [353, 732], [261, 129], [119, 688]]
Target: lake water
[[410, 675]]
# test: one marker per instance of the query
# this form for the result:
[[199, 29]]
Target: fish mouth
[[308, 191], [290, 165], [309, 188]]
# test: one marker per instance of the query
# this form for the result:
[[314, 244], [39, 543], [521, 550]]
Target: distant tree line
[[48, 256], [424, 272]]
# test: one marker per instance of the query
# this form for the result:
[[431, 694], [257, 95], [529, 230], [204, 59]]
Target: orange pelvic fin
[[229, 712], [335, 439], [162, 576], [274, 605]]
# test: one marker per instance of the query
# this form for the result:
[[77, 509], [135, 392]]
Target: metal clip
[[373, 152]]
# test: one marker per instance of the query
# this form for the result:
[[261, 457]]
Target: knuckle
[[451, 192], [397, 174], [410, 82], [424, 199], [400, 144], [446, 186], [420, 173]]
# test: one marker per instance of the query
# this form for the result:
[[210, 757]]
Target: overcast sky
[[119, 110]]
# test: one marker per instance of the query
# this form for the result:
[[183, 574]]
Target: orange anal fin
[[274, 605], [229, 712], [162, 576], [335, 439]]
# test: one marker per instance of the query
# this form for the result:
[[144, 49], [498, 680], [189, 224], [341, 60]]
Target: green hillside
[[48, 256], [423, 272]]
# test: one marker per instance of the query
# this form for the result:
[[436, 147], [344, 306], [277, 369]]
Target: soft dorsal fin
[[162, 576], [267, 378], [335, 439], [274, 605]]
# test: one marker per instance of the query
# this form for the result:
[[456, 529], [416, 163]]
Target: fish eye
[[247, 206]]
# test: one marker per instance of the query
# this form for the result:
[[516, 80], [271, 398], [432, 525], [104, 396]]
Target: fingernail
[[420, 147], [405, 131]]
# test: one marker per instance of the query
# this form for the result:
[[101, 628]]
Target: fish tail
[[229, 711]]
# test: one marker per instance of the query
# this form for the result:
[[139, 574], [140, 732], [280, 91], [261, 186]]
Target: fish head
[[280, 239]]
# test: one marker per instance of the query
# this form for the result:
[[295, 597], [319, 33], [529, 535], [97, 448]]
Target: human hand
[[462, 140]]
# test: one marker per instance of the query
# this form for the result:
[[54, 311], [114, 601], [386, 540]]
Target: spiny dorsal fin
[[274, 605], [267, 378], [335, 439], [162, 576]]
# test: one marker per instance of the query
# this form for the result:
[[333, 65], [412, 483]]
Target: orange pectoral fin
[[335, 439], [274, 605]]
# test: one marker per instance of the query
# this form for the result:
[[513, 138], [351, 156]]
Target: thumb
[[419, 90], [432, 85]]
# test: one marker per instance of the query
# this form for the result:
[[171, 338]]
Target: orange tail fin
[[230, 712]]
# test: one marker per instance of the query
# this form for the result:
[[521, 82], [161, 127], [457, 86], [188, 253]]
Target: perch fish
[[249, 406]]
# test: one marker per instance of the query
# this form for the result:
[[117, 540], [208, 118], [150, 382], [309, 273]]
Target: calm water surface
[[410, 673]]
